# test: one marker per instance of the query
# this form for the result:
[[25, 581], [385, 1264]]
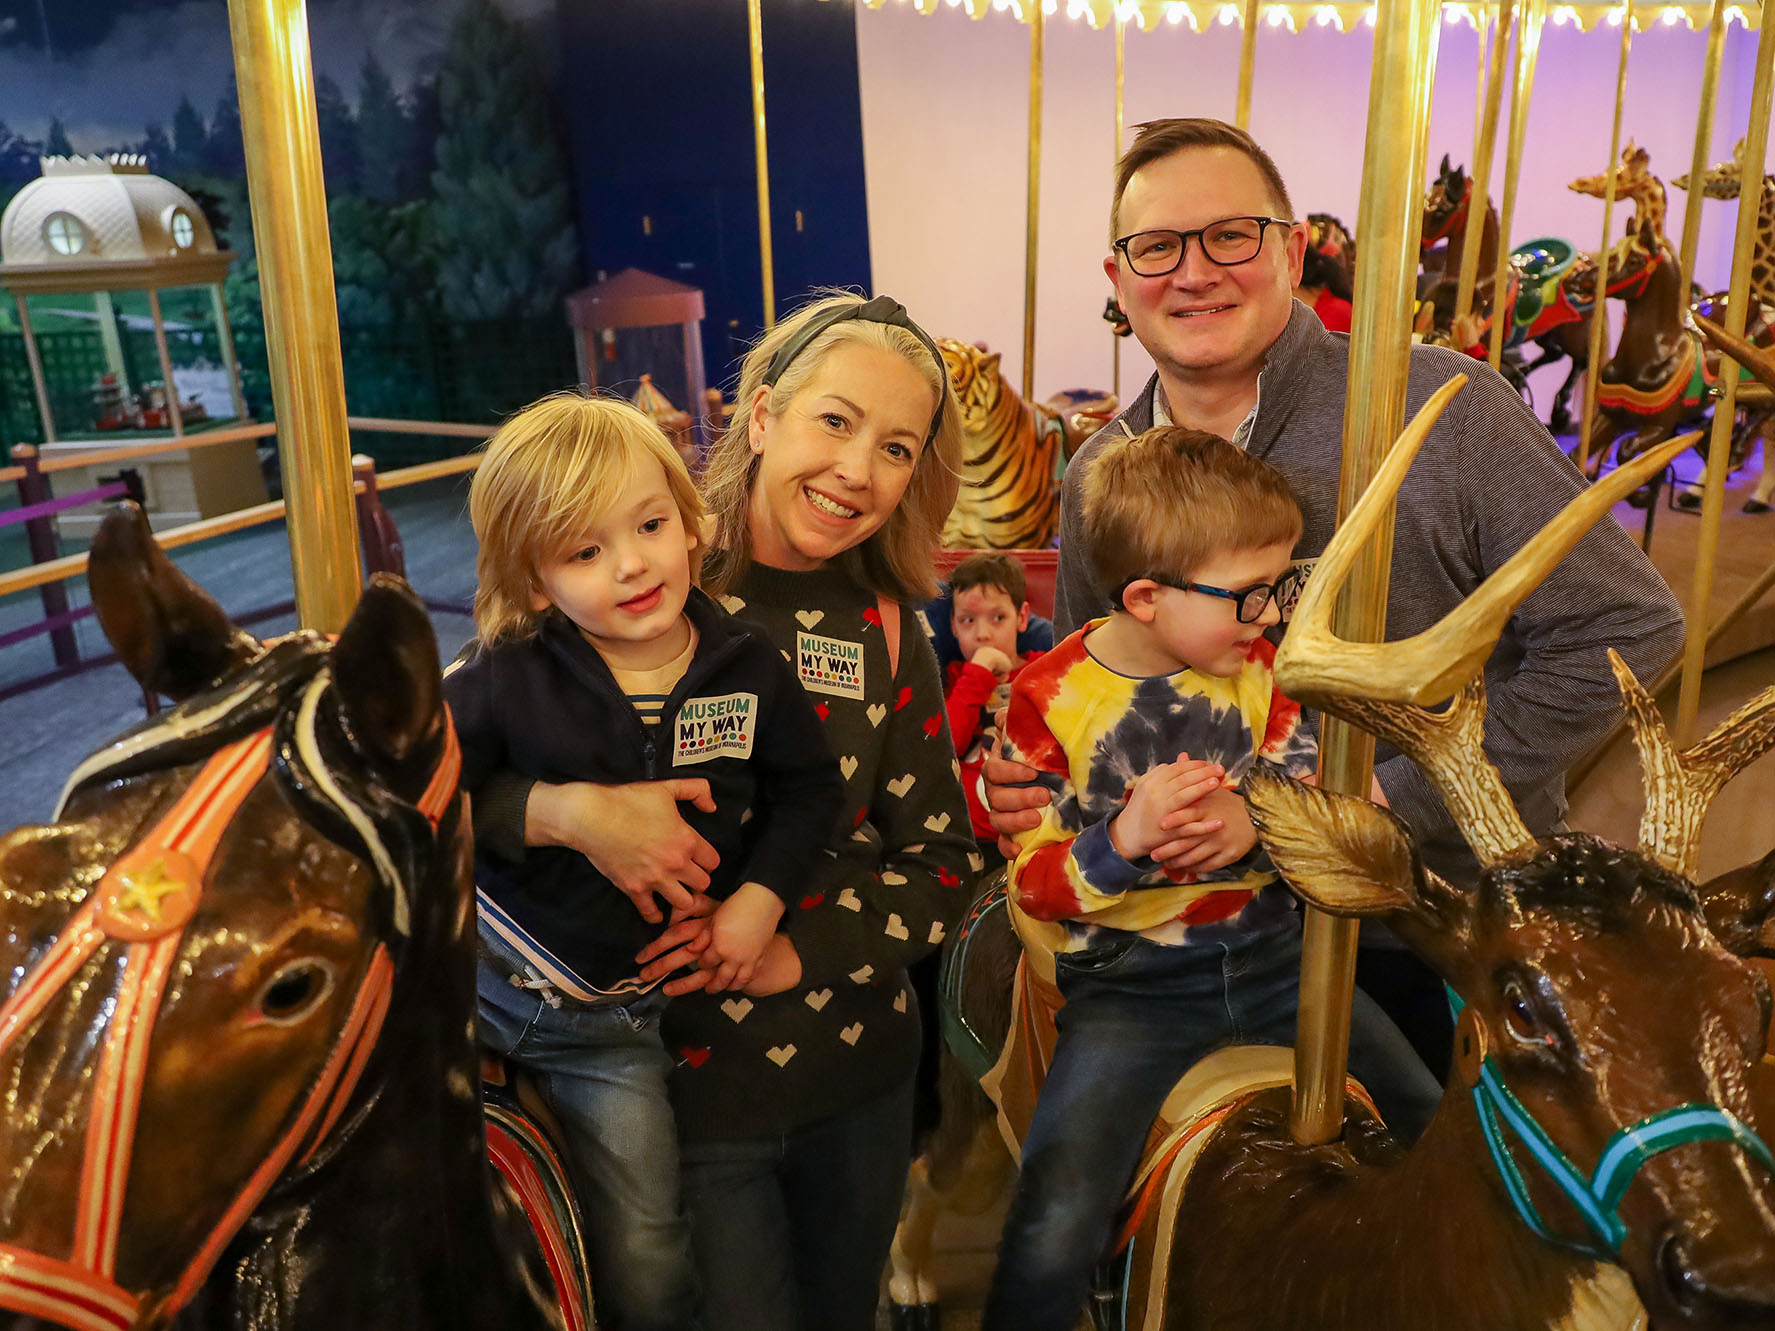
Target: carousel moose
[[236, 1026], [1600, 1114]]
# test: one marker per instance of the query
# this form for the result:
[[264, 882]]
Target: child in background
[[989, 594], [598, 660], [1143, 725]]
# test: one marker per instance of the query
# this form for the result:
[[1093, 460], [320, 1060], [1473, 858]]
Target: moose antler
[[1753, 358], [1680, 786], [1387, 688]]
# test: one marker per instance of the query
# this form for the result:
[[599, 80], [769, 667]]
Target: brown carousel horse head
[[1606, 1036], [201, 950], [1445, 204]]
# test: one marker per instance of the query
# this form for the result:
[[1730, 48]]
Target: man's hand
[[1169, 790], [1209, 835], [633, 835], [1011, 806]]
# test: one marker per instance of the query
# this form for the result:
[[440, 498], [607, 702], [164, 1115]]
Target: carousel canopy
[[1298, 15], [100, 224]]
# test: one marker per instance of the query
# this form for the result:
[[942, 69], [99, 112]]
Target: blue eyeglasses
[[1249, 603]]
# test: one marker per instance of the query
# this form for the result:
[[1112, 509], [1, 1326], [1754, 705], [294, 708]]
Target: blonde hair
[[1168, 500], [895, 561], [546, 476]]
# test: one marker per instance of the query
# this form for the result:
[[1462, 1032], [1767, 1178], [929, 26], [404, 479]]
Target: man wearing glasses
[[1204, 258]]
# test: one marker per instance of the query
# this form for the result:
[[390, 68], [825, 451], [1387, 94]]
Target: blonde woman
[[794, 1097]]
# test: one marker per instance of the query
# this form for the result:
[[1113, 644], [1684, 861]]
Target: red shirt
[[1333, 311]]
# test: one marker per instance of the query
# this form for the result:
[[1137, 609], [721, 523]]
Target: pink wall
[[945, 101]]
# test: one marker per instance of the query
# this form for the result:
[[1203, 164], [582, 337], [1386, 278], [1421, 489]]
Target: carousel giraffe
[[1632, 181], [1725, 181]]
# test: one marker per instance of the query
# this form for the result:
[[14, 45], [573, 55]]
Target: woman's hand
[[632, 834]]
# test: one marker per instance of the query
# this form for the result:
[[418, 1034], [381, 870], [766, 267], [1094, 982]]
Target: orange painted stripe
[[46, 1287], [442, 789], [78, 941], [515, 1163], [379, 984]]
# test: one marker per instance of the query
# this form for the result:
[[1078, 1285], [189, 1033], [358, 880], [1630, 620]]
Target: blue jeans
[[1137, 1016], [791, 1231], [602, 1071]]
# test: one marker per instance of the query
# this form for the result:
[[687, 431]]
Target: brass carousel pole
[[1400, 80], [278, 124], [1719, 443], [761, 147], [1528, 50], [1115, 340], [1033, 207], [1599, 313], [1710, 79], [1247, 63], [1485, 138]]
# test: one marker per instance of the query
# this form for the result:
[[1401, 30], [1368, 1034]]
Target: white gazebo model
[[97, 225]]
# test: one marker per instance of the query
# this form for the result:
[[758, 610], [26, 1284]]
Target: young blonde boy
[[1143, 725], [598, 660]]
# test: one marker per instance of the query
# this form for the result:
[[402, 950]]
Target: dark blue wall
[[658, 106]]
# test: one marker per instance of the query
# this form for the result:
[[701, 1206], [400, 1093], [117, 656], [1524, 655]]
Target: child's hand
[[741, 928], [991, 658], [1210, 835], [1160, 792]]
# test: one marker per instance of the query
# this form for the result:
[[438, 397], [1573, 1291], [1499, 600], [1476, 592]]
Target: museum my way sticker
[[829, 665], [721, 727]]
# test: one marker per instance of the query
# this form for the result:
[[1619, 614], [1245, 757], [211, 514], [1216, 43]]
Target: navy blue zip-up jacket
[[548, 707]]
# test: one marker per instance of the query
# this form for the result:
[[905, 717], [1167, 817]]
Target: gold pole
[[1115, 341], [1481, 20], [277, 120], [38, 382], [761, 146], [1247, 62], [1485, 139], [166, 366], [1391, 217], [1698, 164], [1719, 444], [1037, 22], [1599, 313], [1528, 50]]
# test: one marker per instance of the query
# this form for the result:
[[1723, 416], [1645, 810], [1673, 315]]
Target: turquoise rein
[[1597, 1198]]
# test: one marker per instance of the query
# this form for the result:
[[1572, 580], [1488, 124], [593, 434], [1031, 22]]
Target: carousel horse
[[1598, 1116], [1725, 181], [237, 1023], [1542, 304], [1013, 453], [1662, 377]]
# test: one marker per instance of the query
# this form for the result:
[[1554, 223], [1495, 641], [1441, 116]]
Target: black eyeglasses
[[1229, 242], [1249, 603]]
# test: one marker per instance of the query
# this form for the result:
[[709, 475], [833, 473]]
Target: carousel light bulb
[[1325, 16], [1050, 7], [1174, 11], [1229, 14], [1277, 17], [1368, 16], [1127, 11], [1737, 15], [1614, 18], [1670, 16]]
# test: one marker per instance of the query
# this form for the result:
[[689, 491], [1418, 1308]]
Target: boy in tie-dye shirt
[[1143, 725]]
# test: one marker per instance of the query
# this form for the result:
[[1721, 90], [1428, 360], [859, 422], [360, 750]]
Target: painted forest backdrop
[[449, 195]]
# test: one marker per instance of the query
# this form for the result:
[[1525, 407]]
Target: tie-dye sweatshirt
[[1090, 732]]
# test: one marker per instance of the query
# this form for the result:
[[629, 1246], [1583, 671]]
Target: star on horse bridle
[[145, 901]]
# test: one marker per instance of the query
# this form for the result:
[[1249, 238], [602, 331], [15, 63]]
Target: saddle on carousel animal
[[1595, 1162], [1013, 453], [236, 1023]]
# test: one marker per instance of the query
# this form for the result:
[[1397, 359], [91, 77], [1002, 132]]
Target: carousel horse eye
[[295, 990], [1519, 1015]]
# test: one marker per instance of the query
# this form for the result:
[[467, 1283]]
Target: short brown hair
[[1160, 138], [894, 561], [1166, 501], [548, 473], [990, 570]]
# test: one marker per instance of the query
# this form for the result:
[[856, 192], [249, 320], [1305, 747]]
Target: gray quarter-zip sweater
[[1488, 478]]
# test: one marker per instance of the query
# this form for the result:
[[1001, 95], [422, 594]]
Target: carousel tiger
[[1013, 453]]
